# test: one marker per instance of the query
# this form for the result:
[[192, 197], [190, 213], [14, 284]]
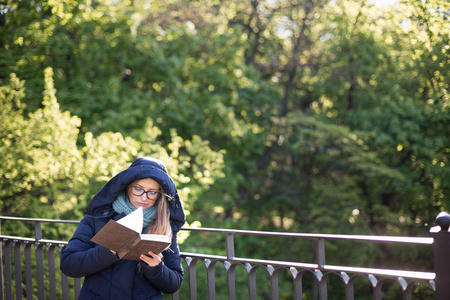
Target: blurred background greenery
[[300, 116]]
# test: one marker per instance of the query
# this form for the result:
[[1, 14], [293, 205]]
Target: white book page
[[155, 237], [134, 221]]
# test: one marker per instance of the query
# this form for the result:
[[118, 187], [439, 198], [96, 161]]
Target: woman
[[145, 184]]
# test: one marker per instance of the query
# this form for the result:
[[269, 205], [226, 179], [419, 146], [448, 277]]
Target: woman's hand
[[152, 259]]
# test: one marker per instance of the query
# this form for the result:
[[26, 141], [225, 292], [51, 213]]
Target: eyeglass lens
[[151, 195]]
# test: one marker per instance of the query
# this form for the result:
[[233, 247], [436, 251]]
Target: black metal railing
[[25, 277]]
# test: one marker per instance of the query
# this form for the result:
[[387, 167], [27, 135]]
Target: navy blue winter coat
[[108, 277]]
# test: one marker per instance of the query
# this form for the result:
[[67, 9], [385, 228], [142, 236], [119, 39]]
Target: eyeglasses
[[151, 195]]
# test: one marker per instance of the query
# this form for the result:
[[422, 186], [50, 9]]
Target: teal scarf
[[123, 204]]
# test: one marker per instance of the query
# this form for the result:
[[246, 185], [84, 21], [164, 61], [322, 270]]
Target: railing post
[[320, 257], [192, 263], [441, 247], [37, 230], [230, 245], [231, 283], [320, 253]]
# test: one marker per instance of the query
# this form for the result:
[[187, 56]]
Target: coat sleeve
[[168, 275], [82, 257]]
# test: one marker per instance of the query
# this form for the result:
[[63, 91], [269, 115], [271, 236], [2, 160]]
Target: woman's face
[[148, 189]]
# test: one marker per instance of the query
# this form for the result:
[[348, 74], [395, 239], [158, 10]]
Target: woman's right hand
[[152, 259]]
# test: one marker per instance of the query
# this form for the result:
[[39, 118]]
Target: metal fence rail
[[24, 275], [320, 270]]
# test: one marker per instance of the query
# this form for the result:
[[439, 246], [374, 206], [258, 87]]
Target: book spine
[[122, 252]]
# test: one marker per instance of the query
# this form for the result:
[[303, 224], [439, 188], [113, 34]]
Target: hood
[[144, 167]]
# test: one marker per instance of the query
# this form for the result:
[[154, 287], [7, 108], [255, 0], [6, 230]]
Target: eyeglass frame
[[135, 187]]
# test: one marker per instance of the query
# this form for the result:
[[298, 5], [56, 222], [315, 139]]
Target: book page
[[155, 237], [134, 221]]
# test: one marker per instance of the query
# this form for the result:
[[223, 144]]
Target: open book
[[125, 239]]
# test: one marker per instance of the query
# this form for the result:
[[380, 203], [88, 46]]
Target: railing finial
[[443, 220]]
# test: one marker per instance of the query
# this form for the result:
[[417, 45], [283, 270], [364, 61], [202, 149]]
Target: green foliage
[[378, 98], [31, 150], [43, 167]]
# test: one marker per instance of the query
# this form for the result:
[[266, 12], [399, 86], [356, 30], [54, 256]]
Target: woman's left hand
[[152, 259]]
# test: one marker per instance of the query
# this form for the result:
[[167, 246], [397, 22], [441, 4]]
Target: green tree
[[33, 172], [377, 97], [42, 166]]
